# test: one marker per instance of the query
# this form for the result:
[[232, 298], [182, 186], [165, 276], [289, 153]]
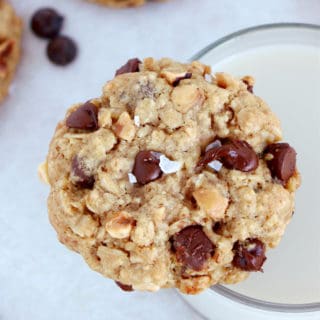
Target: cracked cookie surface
[[10, 37], [172, 178]]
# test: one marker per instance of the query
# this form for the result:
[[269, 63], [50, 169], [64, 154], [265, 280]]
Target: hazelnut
[[124, 127], [119, 225], [174, 78], [187, 97], [211, 201]]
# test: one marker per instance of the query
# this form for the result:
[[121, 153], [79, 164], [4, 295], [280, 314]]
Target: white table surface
[[39, 278]]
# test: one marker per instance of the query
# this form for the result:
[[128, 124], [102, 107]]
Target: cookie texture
[[123, 3], [172, 178], [10, 37]]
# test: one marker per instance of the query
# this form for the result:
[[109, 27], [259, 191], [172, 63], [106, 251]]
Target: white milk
[[288, 78]]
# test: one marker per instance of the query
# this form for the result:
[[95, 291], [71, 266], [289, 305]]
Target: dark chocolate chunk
[[80, 175], [132, 65], [249, 86], [85, 117], [192, 247], [249, 255], [187, 75], [233, 154], [124, 287], [283, 163], [146, 166]]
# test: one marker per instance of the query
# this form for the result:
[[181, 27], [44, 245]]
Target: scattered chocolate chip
[[46, 23], [234, 154], [62, 50], [187, 75], [283, 162], [124, 287], [249, 255], [192, 247], [132, 65], [80, 175], [85, 117], [146, 166]]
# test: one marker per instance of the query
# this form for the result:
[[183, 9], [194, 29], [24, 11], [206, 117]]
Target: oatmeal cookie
[[10, 36], [172, 178]]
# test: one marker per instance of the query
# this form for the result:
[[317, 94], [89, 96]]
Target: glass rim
[[220, 289]]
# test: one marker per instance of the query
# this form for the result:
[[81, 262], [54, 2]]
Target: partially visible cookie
[[10, 35], [121, 3]]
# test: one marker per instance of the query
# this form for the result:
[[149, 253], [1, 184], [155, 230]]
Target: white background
[[39, 278]]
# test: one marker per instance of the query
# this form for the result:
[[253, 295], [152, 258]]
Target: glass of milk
[[285, 61]]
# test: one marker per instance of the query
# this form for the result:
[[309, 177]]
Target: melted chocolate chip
[[62, 50], [124, 287], [234, 154], [192, 247], [82, 178], [187, 75], [249, 255], [132, 65], [46, 23], [146, 166], [283, 162], [85, 117]]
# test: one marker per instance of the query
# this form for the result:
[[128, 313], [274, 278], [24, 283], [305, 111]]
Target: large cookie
[[10, 36], [173, 178]]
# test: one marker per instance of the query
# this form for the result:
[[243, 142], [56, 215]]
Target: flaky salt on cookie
[[172, 178], [10, 38]]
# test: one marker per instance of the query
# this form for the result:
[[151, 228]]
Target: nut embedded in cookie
[[119, 224], [211, 201]]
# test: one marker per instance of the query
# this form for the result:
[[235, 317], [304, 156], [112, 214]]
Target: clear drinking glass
[[285, 60]]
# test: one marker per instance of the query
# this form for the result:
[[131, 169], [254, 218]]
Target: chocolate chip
[[233, 154], [46, 23], [218, 228], [85, 117], [249, 86], [249, 255], [132, 65], [81, 177], [124, 287], [283, 162], [192, 247], [146, 166], [62, 50], [187, 75]]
